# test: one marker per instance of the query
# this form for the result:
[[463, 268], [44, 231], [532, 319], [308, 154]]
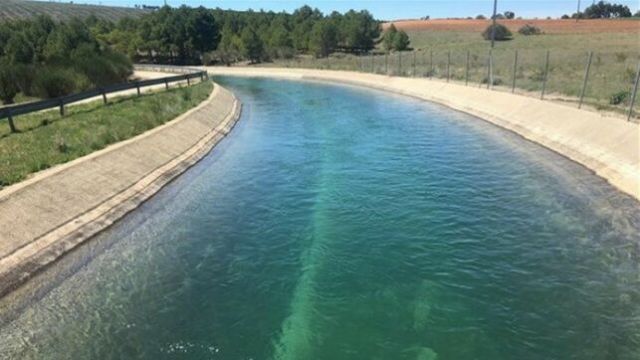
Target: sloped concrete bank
[[610, 146], [50, 214]]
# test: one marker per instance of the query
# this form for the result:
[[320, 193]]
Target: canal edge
[[28, 261]]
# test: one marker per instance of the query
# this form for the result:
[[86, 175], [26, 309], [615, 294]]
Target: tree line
[[197, 35], [44, 58], [603, 10]]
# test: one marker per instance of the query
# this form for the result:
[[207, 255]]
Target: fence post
[[399, 63], [424, 61], [12, 126], [373, 68], [430, 63], [634, 93], [61, 107], [386, 63], [448, 65], [515, 72], [413, 71], [586, 77], [489, 75], [466, 70], [546, 74]]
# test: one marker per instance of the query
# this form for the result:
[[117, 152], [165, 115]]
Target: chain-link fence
[[606, 81]]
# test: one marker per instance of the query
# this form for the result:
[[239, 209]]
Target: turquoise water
[[342, 223]]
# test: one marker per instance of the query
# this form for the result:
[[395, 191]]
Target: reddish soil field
[[569, 26]]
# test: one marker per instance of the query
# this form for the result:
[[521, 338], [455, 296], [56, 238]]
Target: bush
[[529, 30], [101, 69], [565, 17], [25, 74], [496, 81], [619, 97], [401, 41], [501, 33], [54, 82], [8, 87]]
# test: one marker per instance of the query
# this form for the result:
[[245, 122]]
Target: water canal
[[344, 223]]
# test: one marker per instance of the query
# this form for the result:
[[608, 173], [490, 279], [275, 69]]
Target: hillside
[[20, 9], [553, 26]]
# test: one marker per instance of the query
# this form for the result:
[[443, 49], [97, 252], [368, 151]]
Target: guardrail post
[[166, 84], [188, 80], [12, 126], [546, 75], [466, 70], [515, 72], [634, 93], [104, 96], [138, 88], [448, 65], [586, 77], [61, 107]]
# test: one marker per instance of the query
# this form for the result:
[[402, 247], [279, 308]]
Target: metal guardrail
[[187, 74]]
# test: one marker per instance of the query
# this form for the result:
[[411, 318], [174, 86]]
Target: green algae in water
[[341, 223]]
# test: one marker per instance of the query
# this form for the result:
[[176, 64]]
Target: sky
[[389, 9]]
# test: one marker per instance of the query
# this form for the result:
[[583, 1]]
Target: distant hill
[[21, 9]]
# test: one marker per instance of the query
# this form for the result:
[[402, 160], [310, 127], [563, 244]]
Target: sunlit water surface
[[342, 223]]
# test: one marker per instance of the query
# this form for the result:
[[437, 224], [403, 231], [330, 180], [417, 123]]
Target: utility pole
[[493, 27], [493, 41], [578, 12]]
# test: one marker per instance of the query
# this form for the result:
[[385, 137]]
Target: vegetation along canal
[[344, 223]]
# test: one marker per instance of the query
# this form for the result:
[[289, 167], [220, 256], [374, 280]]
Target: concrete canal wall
[[51, 213]]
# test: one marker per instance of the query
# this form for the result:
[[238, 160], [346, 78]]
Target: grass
[[46, 139], [615, 60]]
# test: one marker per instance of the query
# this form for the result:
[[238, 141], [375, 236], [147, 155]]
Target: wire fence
[[186, 74], [602, 80]]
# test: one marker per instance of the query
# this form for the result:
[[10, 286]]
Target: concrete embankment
[[54, 211], [610, 146]]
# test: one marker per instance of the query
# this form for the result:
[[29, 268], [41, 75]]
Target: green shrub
[[496, 81], [529, 30], [101, 69], [619, 97], [54, 82], [502, 33], [629, 76], [537, 75], [8, 87], [25, 74]]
